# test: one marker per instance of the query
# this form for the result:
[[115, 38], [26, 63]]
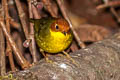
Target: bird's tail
[[35, 22], [31, 20]]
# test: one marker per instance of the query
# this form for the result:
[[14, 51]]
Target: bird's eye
[[56, 26]]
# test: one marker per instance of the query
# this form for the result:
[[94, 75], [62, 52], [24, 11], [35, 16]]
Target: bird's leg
[[46, 57], [69, 57]]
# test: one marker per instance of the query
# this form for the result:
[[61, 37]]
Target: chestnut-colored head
[[60, 25]]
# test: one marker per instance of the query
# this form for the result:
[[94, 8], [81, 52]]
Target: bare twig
[[22, 17], [2, 51], [35, 12], [24, 25], [13, 12], [49, 7], [113, 11], [17, 38], [63, 10], [2, 54], [2, 46], [32, 46], [109, 4], [14, 24], [8, 50], [21, 60]]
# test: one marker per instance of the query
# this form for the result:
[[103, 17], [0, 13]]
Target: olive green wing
[[42, 24]]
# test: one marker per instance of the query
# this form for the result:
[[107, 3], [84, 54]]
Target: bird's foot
[[69, 57]]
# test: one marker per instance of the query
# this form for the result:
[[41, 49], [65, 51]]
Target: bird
[[52, 35]]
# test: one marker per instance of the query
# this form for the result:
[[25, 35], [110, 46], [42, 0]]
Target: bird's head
[[60, 25]]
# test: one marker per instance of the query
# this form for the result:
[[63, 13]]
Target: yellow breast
[[56, 42]]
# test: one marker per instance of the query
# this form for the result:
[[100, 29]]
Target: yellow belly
[[55, 43]]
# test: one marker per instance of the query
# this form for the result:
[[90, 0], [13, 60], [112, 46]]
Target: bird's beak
[[65, 33]]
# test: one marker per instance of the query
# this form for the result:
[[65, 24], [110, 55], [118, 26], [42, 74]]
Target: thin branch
[[49, 7], [63, 10], [35, 12], [109, 4], [8, 50], [32, 46], [2, 46], [22, 17], [24, 25], [17, 38], [14, 18], [14, 24], [113, 11], [21, 60], [34, 8], [2, 54]]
